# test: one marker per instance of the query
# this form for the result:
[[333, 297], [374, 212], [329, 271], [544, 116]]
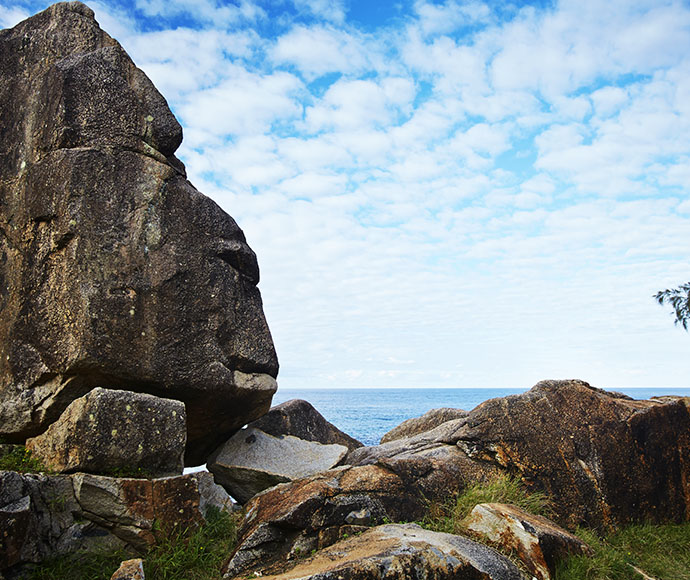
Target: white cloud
[[243, 103], [319, 50], [360, 104], [446, 17], [608, 100], [205, 11], [10, 16]]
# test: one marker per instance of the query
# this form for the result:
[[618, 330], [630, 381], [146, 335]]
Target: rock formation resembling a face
[[114, 270]]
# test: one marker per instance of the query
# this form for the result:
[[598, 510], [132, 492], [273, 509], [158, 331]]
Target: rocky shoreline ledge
[[133, 342]]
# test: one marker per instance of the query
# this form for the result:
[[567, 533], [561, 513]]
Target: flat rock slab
[[403, 552], [252, 461], [538, 542], [107, 431], [299, 418]]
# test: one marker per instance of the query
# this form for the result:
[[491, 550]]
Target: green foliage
[[447, 517], [80, 566], [192, 555], [19, 459], [679, 299], [660, 551], [196, 556]]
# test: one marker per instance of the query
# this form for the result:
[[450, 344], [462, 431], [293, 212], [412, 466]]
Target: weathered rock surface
[[314, 512], [300, 419], [426, 422], [107, 430], [47, 515], [538, 542], [603, 458], [252, 461], [114, 270], [403, 552], [130, 570], [438, 442]]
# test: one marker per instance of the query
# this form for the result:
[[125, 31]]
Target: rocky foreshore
[[133, 343]]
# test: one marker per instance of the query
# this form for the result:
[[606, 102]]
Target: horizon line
[[608, 388]]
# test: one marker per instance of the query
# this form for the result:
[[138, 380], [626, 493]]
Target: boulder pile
[[133, 342]]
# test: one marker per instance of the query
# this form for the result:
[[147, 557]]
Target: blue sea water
[[366, 414]]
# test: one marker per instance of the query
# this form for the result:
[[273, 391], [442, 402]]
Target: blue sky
[[440, 193]]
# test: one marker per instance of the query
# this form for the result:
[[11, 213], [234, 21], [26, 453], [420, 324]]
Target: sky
[[440, 193]]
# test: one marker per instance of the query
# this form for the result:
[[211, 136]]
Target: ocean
[[366, 414]]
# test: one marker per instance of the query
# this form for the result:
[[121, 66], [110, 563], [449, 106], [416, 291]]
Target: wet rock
[[107, 431], [426, 422], [130, 570], [402, 552], [299, 418], [114, 270], [536, 541], [252, 461]]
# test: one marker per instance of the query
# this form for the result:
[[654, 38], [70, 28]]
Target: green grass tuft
[[661, 551], [196, 555], [19, 459], [447, 517]]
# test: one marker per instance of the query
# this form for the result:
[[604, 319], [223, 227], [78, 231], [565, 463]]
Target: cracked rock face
[[114, 270]]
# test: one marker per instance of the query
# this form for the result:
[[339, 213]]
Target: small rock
[[299, 418], [426, 422], [130, 570], [536, 541], [252, 461], [108, 430]]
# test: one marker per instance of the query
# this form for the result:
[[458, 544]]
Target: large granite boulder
[[252, 461], [114, 270], [299, 418], [108, 431], [603, 458], [401, 552], [426, 422]]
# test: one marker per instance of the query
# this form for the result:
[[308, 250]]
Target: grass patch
[[448, 516], [198, 555], [661, 551], [19, 459]]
